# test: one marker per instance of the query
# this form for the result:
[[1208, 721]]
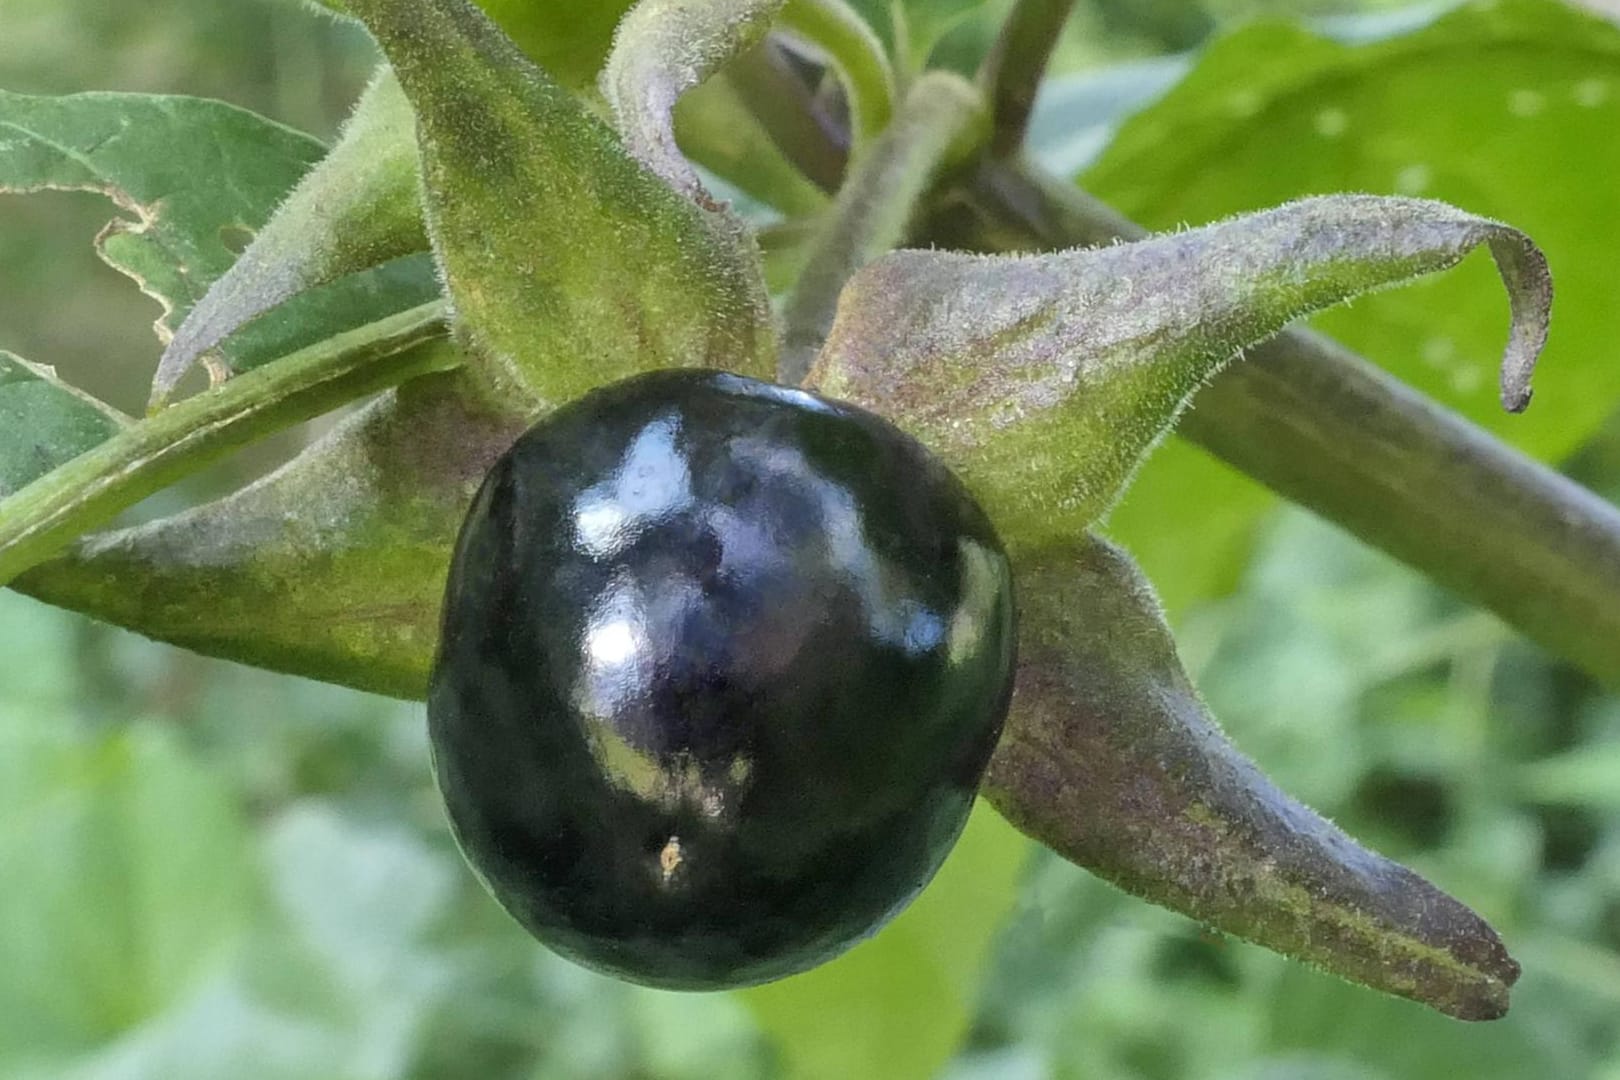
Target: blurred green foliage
[[208, 871]]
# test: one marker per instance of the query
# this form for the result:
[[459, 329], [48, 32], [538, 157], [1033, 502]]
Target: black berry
[[722, 667]]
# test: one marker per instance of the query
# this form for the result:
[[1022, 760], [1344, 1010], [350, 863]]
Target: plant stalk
[[873, 208], [1015, 66]]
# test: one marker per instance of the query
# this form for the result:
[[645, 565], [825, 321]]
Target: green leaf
[[361, 898], [133, 880], [535, 213], [898, 1005], [193, 176], [1045, 379], [92, 488], [45, 422], [1502, 108], [1110, 759], [357, 209], [198, 178], [1475, 108], [1076, 116]]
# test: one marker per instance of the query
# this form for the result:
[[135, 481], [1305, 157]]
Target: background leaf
[[898, 1005], [1077, 115], [193, 176], [196, 178], [44, 422], [1502, 108], [136, 880], [359, 207]]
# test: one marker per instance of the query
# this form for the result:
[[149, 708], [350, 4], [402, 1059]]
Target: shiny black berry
[[722, 666]]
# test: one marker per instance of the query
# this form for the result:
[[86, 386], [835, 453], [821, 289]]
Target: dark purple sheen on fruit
[[722, 667]]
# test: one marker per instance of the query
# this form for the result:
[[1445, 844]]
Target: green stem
[[874, 207], [812, 140], [96, 486], [855, 52], [1324, 428], [1013, 70]]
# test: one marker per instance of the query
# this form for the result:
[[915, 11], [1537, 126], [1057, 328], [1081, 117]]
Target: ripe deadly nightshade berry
[[722, 667]]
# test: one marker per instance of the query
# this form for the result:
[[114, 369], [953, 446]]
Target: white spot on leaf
[[1590, 93], [1438, 351], [1526, 102], [1413, 180], [1330, 123], [1243, 103]]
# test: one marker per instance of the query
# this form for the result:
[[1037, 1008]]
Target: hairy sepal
[[1046, 379], [1110, 758], [569, 264]]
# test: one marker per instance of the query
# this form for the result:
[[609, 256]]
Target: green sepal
[[332, 567], [1046, 379], [568, 263], [1110, 758]]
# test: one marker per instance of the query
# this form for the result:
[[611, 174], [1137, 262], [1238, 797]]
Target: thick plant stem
[[874, 207], [1327, 430], [1013, 70]]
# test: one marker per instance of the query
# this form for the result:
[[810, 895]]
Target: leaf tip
[[1528, 279]]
